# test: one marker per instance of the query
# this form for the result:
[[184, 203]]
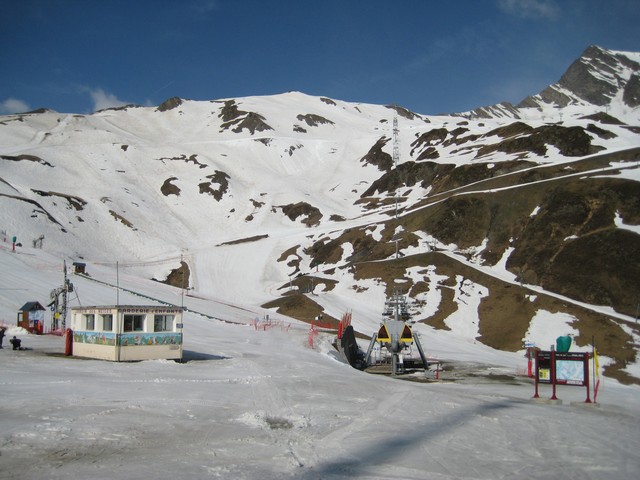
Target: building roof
[[30, 306], [129, 308]]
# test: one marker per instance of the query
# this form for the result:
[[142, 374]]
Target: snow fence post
[[536, 376], [553, 373], [586, 376]]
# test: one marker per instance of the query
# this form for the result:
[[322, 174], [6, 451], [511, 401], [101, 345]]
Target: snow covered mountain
[[599, 77], [599, 80], [296, 204]]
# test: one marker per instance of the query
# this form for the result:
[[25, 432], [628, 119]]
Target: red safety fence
[[344, 323], [267, 324], [313, 333]]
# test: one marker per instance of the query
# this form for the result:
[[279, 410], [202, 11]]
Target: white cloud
[[103, 100], [545, 9], [436, 50], [13, 105], [203, 7]]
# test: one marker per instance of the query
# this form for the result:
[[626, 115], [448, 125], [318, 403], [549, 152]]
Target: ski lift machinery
[[395, 334]]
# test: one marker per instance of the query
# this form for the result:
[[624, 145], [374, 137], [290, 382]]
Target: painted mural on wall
[[167, 338], [128, 339], [95, 338]]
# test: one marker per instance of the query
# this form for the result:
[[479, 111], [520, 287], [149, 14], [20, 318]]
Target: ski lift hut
[[122, 333], [80, 268]]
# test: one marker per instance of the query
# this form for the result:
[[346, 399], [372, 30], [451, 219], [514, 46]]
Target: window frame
[[162, 319], [107, 317], [89, 321], [135, 320]]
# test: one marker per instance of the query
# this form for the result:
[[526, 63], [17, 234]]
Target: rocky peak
[[599, 78], [596, 78]]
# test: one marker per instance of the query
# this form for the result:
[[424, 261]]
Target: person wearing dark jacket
[[2, 329], [15, 342]]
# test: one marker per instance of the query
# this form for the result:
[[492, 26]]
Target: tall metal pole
[[117, 284], [396, 148], [396, 153], [64, 296], [182, 287]]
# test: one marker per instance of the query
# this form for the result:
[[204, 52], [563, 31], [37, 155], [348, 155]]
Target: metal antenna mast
[[396, 148], [396, 153], [396, 159]]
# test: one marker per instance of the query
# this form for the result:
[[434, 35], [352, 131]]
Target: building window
[[90, 321], [163, 323], [107, 322], [133, 323]]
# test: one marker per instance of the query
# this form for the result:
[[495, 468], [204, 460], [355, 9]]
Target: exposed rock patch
[[312, 214], [122, 220], [403, 112], [169, 188], [314, 120], [169, 104], [571, 141], [375, 156], [191, 159], [603, 117], [29, 158], [255, 238], [231, 115], [178, 277], [74, 202], [219, 178]]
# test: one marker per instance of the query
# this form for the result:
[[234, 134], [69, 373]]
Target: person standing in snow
[[2, 329]]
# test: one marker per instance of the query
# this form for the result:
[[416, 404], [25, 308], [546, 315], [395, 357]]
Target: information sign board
[[562, 368]]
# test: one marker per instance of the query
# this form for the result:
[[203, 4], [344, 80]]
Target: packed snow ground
[[252, 404]]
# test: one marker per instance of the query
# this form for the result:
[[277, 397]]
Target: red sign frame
[[562, 368]]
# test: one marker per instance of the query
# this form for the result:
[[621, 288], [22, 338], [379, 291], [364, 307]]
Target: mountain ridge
[[598, 78]]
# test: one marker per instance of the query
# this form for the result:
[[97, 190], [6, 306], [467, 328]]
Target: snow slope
[[252, 404], [93, 187]]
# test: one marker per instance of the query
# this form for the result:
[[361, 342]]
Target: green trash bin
[[563, 343]]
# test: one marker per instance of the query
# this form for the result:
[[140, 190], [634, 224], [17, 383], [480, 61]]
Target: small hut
[[80, 268], [31, 317]]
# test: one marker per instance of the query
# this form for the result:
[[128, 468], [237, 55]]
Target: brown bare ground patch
[[122, 220], [295, 263], [311, 214], [255, 238], [178, 277], [169, 188], [376, 156], [327, 252], [446, 308], [302, 308], [307, 283]]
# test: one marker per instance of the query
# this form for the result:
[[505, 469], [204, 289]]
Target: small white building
[[127, 332]]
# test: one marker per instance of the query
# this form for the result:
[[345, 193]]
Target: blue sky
[[77, 56]]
